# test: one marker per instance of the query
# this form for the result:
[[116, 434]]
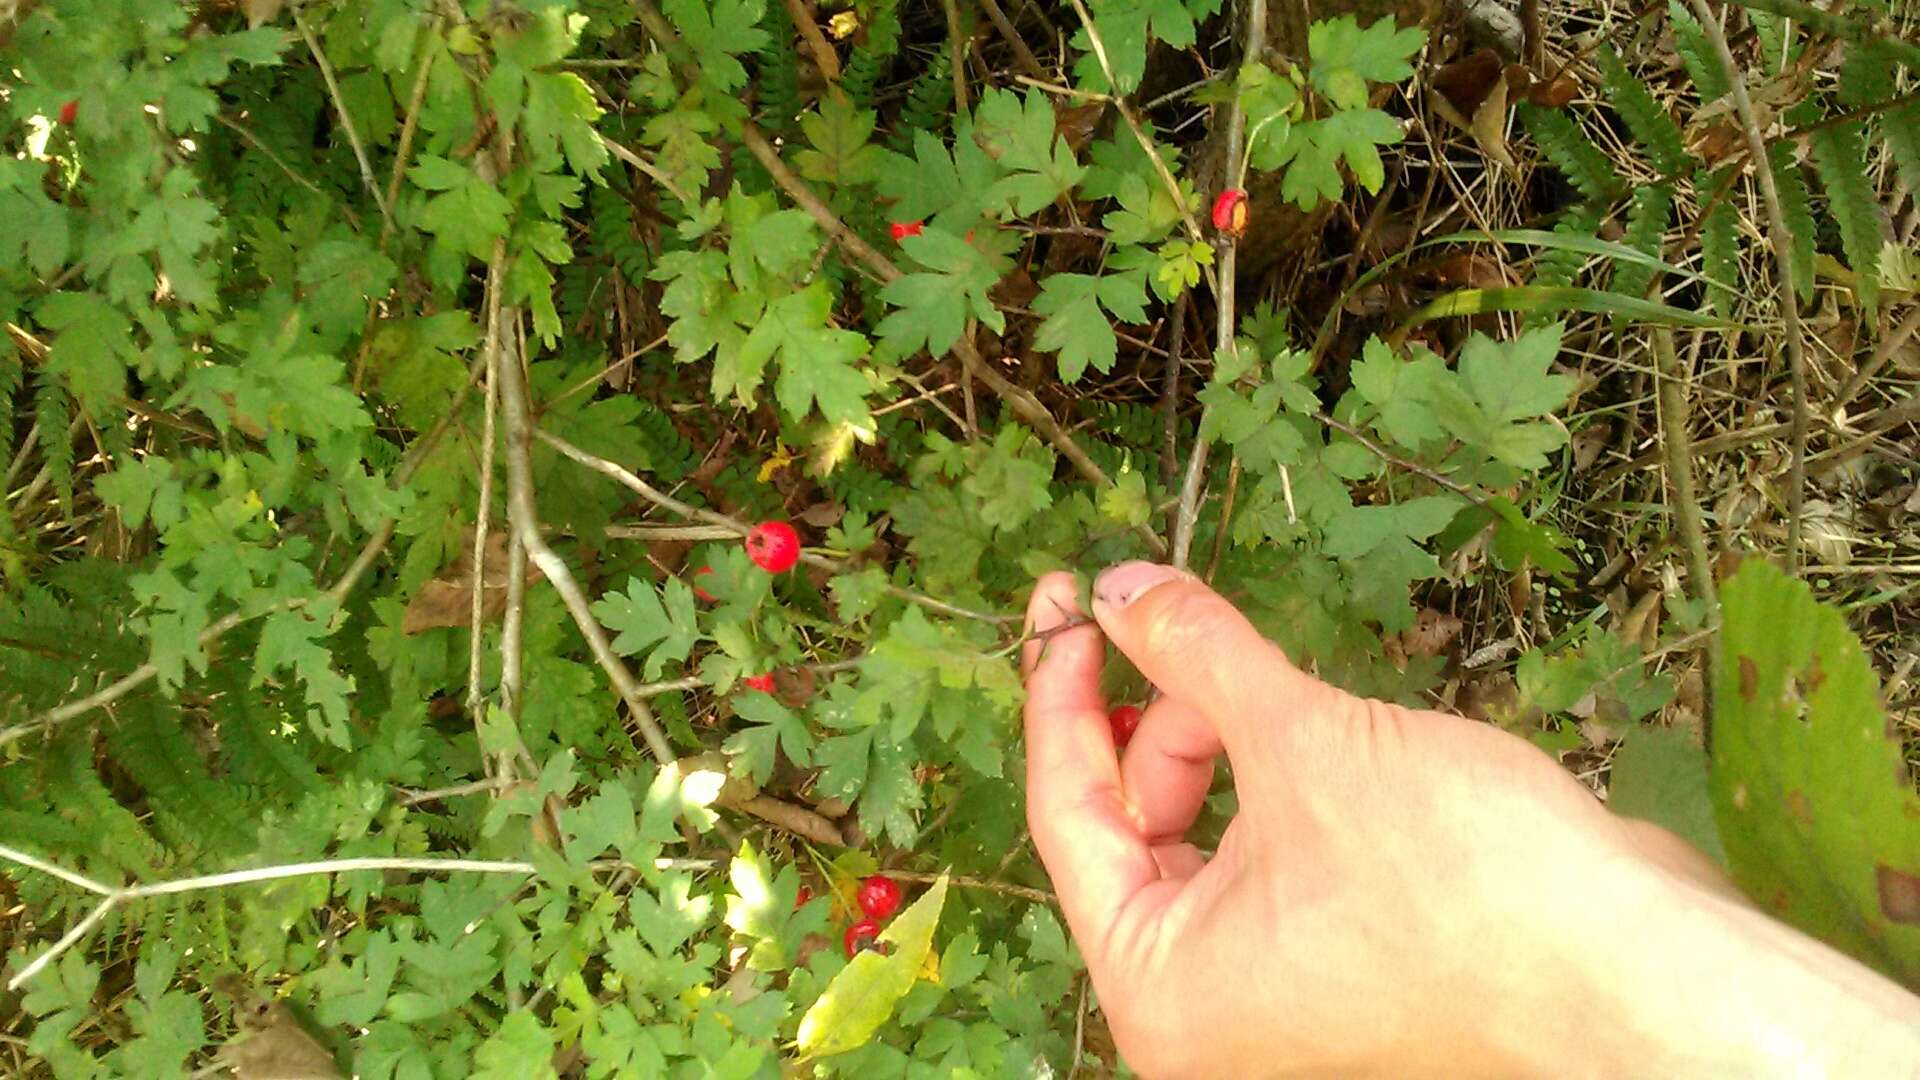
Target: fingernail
[[1118, 586]]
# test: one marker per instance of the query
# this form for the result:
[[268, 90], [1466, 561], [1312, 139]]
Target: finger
[[1196, 647], [1168, 768], [1178, 862], [1091, 846]]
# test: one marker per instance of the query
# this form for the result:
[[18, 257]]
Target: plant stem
[[1782, 241]]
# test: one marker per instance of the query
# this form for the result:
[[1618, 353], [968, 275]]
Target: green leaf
[[818, 363], [1075, 326], [1314, 150], [1660, 775], [1536, 299], [1019, 134], [839, 152], [1346, 58], [663, 623], [932, 308], [1837, 156], [522, 1048], [1810, 788], [776, 728], [863, 995], [718, 31]]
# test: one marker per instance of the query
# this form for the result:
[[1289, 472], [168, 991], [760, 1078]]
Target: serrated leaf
[[863, 995], [1346, 58], [1660, 775], [1076, 327], [1809, 785], [662, 623]]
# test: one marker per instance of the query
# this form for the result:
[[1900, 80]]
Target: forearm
[[1711, 986]]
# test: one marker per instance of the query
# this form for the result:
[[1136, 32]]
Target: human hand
[[1400, 892]]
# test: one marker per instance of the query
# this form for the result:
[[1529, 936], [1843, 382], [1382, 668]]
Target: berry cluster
[[879, 898]]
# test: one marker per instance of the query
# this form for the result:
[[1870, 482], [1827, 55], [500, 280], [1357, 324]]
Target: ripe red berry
[[773, 546], [69, 112], [762, 683], [1123, 720], [903, 229], [860, 936], [801, 897], [1230, 212], [697, 590], [879, 896]]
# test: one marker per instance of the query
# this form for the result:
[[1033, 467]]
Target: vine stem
[[524, 517], [1677, 438], [112, 897], [346, 118], [483, 511], [1187, 517], [1781, 240], [736, 527]]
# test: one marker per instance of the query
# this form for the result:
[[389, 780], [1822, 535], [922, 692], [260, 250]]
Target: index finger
[[1092, 846]]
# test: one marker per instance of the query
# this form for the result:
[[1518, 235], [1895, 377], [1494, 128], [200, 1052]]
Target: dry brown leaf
[[261, 12], [273, 1045], [1466, 82], [1554, 92], [1489, 126], [447, 600]]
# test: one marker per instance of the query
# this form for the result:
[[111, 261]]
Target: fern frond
[[1650, 125], [872, 58], [1720, 248], [1568, 147], [193, 811], [112, 832], [53, 411], [1709, 78], [929, 103], [1798, 208], [1839, 157], [777, 79], [1560, 266], [1650, 212]]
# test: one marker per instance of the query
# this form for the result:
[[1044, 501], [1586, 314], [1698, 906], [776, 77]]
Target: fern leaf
[[1839, 156], [929, 102], [191, 809], [1720, 249], [1798, 207], [872, 58], [1560, 266], [1650, 125], [1709, 79], [53, 411], [778, 77], [1567, 146], [78, 795], [1650, 212]]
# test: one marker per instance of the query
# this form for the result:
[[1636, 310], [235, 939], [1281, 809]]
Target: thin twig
[[1399, 462], [957, 43], [1684, 502], [1782, 241], [824, 57], [1029, 62], [524, 516], [409, 127], [736, 527], [1038, 896], [254, 141], [346, 118], [1186, 519], [483, 511], [653, 172]]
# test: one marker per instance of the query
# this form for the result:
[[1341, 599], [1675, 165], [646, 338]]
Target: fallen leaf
[[447, 600], [261, 12], [272, 1044], [1489, 126]]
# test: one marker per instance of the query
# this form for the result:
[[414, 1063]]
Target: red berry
[[697, 590], [860, 936], [1230, 212], [903, 229], [800, 898], [773, 546], [879, 896], [1123, 720], [762, 683], [69, 112]]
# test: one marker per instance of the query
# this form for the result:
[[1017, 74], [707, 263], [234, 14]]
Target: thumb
[[1199, 649]]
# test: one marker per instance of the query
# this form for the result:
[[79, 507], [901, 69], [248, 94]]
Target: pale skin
[[1402, 892]]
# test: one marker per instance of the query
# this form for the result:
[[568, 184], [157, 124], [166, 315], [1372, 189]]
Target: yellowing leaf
[[863, 995]]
